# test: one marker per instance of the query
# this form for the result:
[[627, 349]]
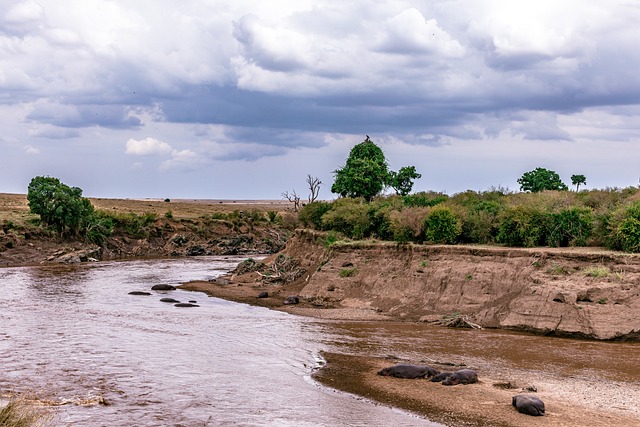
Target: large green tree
[[366, 173], [59, 206], [541, 179]]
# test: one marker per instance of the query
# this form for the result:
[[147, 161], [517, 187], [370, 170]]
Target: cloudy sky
[[241, 99]]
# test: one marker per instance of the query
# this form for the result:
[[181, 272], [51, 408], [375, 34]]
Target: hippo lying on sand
[[529, 405], [408, 371], [441, 377], [292, 299], [463, 376]]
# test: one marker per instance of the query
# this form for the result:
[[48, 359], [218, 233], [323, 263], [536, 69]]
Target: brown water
[[69, 335], [72, 334]]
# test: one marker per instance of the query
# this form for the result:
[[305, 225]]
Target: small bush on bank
[[349, 217], [522, 225], [311, 214], [570, 227]]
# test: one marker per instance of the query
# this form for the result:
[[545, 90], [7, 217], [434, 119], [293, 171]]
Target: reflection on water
[[72, 334]]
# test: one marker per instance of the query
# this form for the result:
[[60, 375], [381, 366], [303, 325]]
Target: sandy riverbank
[[570, 401]]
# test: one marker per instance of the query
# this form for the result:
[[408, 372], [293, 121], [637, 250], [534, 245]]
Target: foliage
[[311, 214], [541, 179], [364, 174], [522, 225], [59, 206], [407, 225], [348, 272], [570, 227], [425, 199], [624, 227], [349, 217], [402, 181], [442, 226], [578, 180]]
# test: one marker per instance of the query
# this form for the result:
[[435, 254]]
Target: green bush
[[425, 199], [624, 227], [442, 226], [311, 214], [408, 224], [349, 217], [570, 227], [523, 225]]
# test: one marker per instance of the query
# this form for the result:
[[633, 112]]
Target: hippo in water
[[163, 288], [409, 371], [139, 293], [529, 405], [463, 376]]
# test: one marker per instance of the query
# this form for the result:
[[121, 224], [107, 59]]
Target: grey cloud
[[77, 116]]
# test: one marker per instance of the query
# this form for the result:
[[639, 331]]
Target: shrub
[[522, 225], [425, 199], [442, 226], [350, 217], [624, 227], [570, 227], [407, 225], [311, 214]]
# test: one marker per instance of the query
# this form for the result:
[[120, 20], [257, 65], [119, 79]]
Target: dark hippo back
[[529, 405], [408, 371]]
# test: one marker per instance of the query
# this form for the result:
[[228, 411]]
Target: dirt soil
[[583, 292]]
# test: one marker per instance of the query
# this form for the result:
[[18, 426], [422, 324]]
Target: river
[[71, 335]]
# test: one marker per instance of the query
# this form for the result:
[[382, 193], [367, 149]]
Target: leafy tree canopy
[[59, 206], [366, 173], [402, 181], [541, 179]]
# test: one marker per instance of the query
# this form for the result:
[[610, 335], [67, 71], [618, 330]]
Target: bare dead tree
[[314, 187], [293, 198]]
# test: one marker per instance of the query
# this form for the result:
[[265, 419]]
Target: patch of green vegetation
[[168, 214], [18, 413], [348, 272], [423, 264], [468, 277], [597, 271], [558, 270], [452, 315], [602, 301]]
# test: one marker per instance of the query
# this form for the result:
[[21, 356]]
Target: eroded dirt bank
[[578, 292]]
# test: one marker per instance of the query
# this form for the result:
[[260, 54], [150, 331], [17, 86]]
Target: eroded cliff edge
[[580, 292]]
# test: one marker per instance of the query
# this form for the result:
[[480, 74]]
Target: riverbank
[[577, 292]]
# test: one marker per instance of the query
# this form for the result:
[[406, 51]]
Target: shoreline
[[570, 401]]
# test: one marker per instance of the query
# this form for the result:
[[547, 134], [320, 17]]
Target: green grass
[[348, 272], [597, 271]]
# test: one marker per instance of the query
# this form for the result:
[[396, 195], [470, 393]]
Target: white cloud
[[147, 147], [182, 160], [31, 150]]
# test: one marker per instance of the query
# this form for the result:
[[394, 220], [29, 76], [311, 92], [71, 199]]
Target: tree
[[59, 206], [577, 180], [402, 181], [541, 179], [314, 187], [293, 198], [365, 173]]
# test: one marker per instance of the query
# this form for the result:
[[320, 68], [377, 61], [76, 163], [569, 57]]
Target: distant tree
[[364, 174], [541, 179], [59, 206], [402, 181], [314, 187], [577, 180]]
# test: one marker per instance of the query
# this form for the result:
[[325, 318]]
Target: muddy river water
[[70, 336]]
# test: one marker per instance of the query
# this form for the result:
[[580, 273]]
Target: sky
[[243, 99]]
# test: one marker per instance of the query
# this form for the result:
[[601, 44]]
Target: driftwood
[[458, 321], [283, 269]]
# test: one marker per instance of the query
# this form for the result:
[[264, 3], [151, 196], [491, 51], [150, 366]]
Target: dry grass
[[19, 413], [14, 207]]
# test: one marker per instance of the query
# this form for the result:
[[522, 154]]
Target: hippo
[[441, 377], [169, 300], [292, 299], [263, 294], [163, 288], [139, 293], [529, 405], [403, 370], [185, 304], [463, 376]]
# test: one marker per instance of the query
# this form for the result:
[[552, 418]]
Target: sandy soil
[[569, 403]]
